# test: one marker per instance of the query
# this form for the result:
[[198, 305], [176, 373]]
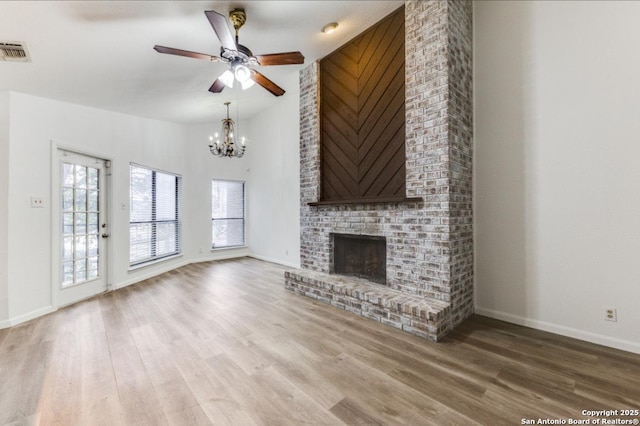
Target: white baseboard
[[150, 274], [27, 317], [214, 255], [277, 261], [612, 342]]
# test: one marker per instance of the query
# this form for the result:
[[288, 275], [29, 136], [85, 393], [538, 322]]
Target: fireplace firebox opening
[[363, 256]]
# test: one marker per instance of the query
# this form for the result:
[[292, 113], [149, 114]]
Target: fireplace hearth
[[361, 256]]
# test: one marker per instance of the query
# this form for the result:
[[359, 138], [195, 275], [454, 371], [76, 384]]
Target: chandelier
[[228, 146]]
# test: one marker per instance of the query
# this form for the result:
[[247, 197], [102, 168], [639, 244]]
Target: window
[[154, 222], [227, 213]]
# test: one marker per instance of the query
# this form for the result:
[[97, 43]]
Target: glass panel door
[[80, 209]]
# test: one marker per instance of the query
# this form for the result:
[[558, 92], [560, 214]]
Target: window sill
[[214, 249], [153, 262]]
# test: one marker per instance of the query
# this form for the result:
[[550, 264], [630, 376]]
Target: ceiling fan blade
[[217, 86], [266, 83], [188, 54], [221, 27], [285, 58]]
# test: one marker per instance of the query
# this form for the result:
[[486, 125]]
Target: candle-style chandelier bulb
[[228, 147]]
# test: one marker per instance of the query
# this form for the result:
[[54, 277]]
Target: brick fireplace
[[428, 288]]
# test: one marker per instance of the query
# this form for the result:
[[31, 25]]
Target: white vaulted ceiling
[[100, 53]]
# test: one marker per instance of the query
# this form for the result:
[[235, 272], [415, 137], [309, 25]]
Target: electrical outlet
[[610, 314], [37, 202]]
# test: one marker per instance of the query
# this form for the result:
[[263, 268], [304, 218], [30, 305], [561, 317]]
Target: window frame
[[243, 218], [154, 222]]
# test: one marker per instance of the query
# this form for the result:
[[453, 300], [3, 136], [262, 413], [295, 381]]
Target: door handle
[[105, 235]]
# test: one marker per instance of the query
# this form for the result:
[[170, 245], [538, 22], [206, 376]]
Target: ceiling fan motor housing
[[243, 53]]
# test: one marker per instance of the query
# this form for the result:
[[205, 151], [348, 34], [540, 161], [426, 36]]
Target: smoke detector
[[14, 51]]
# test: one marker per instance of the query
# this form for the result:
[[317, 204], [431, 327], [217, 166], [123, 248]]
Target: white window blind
[[227, 213], [154, 221]]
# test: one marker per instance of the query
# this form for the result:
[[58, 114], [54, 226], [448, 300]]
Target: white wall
[[32, 128], [557, 181], [274, 192], [205, 168], [37, 126], [4, 207]]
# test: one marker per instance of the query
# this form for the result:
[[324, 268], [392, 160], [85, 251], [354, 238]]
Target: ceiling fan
[[240, 59]]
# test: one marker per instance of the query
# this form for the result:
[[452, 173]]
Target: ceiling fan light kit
[[227, 78], [241, 60], [242, 73]]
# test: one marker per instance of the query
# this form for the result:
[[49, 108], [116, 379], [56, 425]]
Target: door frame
[[55, 239]]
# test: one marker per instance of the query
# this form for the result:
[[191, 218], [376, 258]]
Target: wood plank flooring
[[224, 343]]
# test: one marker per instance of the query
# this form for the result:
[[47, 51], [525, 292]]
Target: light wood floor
[[224, 343]]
